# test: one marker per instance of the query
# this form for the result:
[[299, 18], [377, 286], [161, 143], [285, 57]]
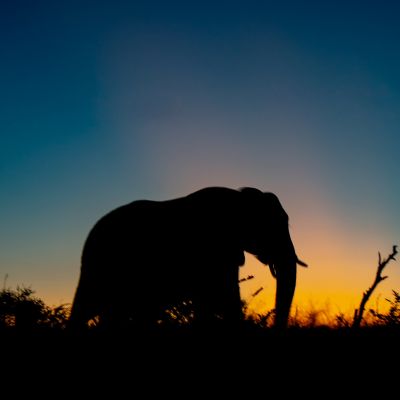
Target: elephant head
[[268, 238]]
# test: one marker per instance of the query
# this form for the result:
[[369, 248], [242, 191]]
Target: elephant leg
[[93, 299], [146, 316], [218, 299], [84, 306], [229, 300]]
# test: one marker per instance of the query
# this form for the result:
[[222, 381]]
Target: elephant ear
[[252, 201]]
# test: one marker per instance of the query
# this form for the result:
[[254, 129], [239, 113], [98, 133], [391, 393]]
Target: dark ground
[[250, 346], [308, 362]]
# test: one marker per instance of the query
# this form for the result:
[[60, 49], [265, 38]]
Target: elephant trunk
[[285, 270], [285, 287]]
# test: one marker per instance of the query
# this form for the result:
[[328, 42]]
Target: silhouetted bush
[[20, 309]]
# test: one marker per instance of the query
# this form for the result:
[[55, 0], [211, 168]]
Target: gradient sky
[[104, 102]]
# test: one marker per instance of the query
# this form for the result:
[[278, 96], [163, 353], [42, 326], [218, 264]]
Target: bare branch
[[358, 314]]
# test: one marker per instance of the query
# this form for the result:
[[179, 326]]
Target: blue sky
[[108, 101]]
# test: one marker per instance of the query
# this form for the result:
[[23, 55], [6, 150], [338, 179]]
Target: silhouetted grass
[[23, 313], [36, 345], [305, 349]]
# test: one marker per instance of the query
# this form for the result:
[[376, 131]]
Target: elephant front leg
[[229, 300], [218, 303]]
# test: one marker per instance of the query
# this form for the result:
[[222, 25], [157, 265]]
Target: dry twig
[[257, 292], [246, 279]]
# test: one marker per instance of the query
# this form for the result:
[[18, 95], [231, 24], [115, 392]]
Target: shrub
[[21, 309]]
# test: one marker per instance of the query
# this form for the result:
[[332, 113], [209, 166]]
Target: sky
[[105, 102]]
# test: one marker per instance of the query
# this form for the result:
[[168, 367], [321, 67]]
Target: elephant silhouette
[[147, 256]]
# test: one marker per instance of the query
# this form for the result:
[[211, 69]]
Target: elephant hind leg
[[79, 313], [84, 306]]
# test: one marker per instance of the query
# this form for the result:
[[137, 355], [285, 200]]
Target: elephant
[[147, 256]]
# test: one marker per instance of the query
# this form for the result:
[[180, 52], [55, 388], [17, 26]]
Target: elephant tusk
[[301, 263], [272, 269]]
